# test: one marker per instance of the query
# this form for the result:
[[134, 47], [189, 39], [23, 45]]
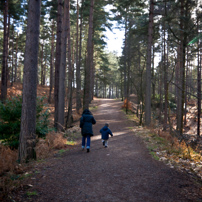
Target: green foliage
[[10, 113], [61, 151], [34, 193], [195, 39], [42, 116], [154, 155], [10, 119], [172, 105], [171, 102]]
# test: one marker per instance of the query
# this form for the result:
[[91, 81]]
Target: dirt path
[[123, 172]]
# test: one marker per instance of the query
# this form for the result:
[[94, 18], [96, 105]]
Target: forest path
[[123, 172]]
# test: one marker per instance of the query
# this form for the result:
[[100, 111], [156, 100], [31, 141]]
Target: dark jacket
[[86, 122], [105, 131]]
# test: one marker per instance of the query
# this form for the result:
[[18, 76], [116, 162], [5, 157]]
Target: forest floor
[[125, 171]]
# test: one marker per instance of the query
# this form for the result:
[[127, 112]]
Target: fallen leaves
[[171, 151]]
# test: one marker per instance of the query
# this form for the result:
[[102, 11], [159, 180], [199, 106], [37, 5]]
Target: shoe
[[103, 143], [88, 150], [105, 146]]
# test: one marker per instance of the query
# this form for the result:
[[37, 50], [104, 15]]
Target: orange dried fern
[[127, 104], [8, 159]]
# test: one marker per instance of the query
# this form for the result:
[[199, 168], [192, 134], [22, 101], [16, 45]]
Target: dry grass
[[174, 152], [45, 147], [9, 170], [12, 173], [56, 140], [180, 148], [8, 159]]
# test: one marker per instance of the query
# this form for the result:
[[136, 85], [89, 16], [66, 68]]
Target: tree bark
[[199, 94], [5, 55], [183, 42], [51, 63], [78, 58], [165, 80], [70, 72], [12, 63], [89, 59], [92, 75], [28, 117], [44, 70], [61, 97], [125, 63], [186, 89], [42, 67], [57, 60], [8, 48], [148, 71], [16, 58]]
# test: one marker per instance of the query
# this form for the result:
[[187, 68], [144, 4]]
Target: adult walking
[[86, 124]]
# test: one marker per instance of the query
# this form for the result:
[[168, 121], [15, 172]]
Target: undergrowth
[[10, 120], [12, 173], [166, 147]]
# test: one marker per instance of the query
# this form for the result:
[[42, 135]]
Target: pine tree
[[57, 60], [28, 117]]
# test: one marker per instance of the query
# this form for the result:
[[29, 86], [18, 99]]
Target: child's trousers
[[105, 142], [84, 142]]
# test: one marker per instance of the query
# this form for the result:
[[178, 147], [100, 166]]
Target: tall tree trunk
[[160, 92], [117, 96], [44, 70], [89, 59], [16, 58], [8, 48], [122, 91], [78, 59], [153, 76], [5, 55], [126, 64], [183, 42], [73, 61], [186, 89], [125, 60], [42, 67], [199, 94], [57, 60], [128, 72], [12, 63], [148, 71], [61, 97], [92, 75], [178, 95], [28, 117], [112, 91], [109, 91], [70, 72], [165, 79], [96, 88], [103, 90], [51, 62]]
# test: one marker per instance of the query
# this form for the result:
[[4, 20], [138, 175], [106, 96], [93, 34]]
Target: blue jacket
[[105, 131], [86, 122]]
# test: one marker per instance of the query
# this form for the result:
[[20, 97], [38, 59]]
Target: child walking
[[105, 132]]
